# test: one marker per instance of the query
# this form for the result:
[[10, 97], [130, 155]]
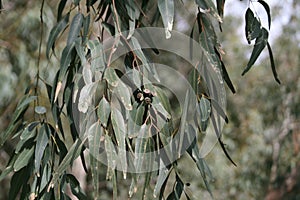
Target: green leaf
[[220, 7], [86, 28], [162, 178], [141, 147], [118, 124], [72, 154], [135, 120], [19, 179], [252, 27], [119, 88], [267, 8], [87, 74], [111, 77], [260, 44], [55, 31], [205, 113], [208, 6], [65, 61], [166, 8], [109, 28], [46, 177], [25, 101], [60, 9], [134, 13], [111, 157], [29, 131], [273, 63], [23, 158], [86, 96], [9, 168], [75, 187], [183, 123], [193, 151], [224, 72], [75, 27], [97, 55], [219, 109], [178, 187], [80, 51], [40, 110], [94, 137], [139, 52], [41, 143], [103, 111]]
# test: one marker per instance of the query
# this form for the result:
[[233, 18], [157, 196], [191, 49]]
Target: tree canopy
[[131, 95]]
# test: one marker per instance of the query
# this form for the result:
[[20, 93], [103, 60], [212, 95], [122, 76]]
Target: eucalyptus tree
[[133, 94]]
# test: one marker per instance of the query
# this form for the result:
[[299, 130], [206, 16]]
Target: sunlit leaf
[[103, 111], [141, 148], [166, 8], [111, 157], [120, 134], [86, 96], [162, 178], [97, 55], [87, 74], [134, 13], [94, 136], [111, 77]]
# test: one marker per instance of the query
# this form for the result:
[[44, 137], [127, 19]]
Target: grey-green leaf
[[166, 8], [23, 158], [65, 61], [205, 112], [97, 55], [120, 134], [75, 27], [103, 111], [56, 30], [41, 143]]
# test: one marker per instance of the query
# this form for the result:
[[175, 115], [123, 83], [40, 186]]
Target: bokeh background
[[263, 136]]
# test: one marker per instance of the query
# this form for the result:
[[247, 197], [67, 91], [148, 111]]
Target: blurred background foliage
[[263, 135]]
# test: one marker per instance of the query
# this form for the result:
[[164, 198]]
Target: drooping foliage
[[107, 95]]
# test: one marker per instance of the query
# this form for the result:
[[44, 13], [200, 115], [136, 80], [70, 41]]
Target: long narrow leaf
[[267, 8], [75, 28], [273, 67], [166, 8], [260, 44]]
